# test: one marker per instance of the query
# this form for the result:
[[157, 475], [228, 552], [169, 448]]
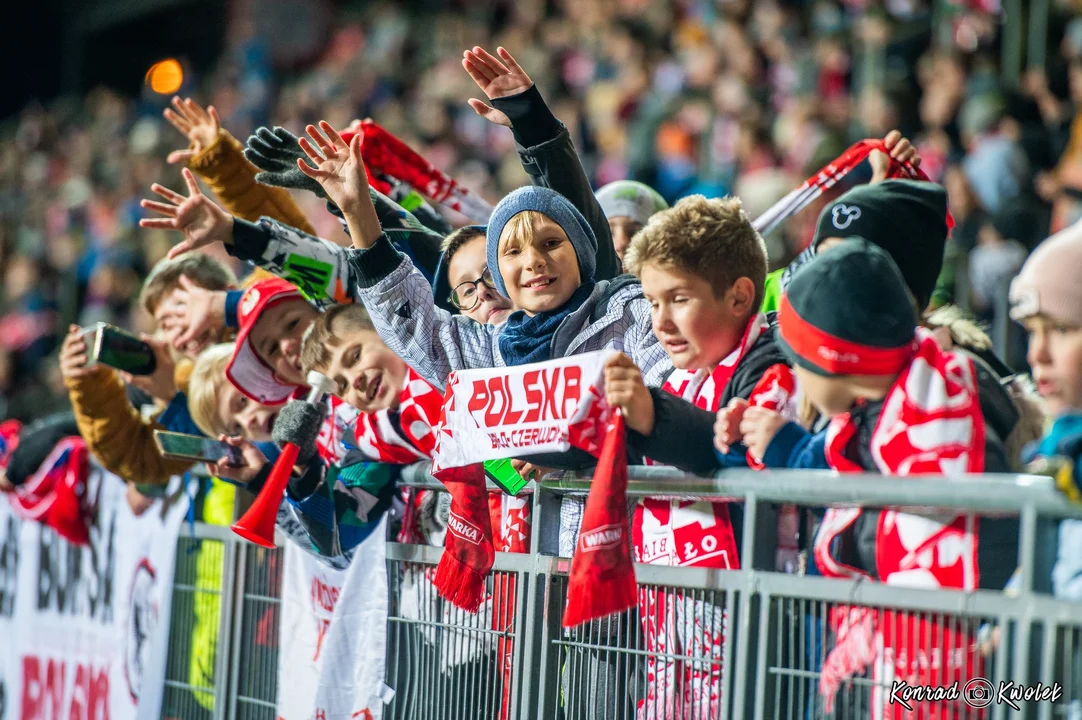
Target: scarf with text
[[930, 423]]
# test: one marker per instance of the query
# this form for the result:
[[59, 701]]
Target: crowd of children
[[832, 363]]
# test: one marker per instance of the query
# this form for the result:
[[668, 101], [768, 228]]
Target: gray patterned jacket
[[432, 341]]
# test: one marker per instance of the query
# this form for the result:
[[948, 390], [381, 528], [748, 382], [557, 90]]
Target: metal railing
[[702, 643]]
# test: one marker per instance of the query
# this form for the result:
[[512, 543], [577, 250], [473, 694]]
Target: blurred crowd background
[[689, 96]]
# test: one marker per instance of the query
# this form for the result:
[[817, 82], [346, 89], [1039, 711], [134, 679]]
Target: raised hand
[[198, 125], [276, 152], [202, 222], [338, 167], [495, 79], [901, 151], [191, 316]]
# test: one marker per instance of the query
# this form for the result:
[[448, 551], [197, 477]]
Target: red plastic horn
[[257, 525]]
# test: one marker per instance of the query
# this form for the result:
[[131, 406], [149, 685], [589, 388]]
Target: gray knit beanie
[[628, 198], [555, 206]]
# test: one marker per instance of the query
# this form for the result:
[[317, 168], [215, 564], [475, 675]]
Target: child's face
[[623, 229], [697, 328], [1055, 354], [366, 374], [542, 275], [467, 266], [244, 416], [831, 396], [277, 335]]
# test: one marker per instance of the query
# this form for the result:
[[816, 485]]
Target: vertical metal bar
[[1037, 43], [1012, 29], [1048, 660], [1027, 546], [727, 653], [232, 585], [942, 23], [744, 651]]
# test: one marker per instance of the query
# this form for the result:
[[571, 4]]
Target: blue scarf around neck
[[524, 339]]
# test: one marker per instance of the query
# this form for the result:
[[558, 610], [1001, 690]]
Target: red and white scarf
[[386, 154], [931, 423], [830, 175], [688, 533]]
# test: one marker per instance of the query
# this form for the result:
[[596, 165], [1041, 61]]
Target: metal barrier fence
[[701, 644]]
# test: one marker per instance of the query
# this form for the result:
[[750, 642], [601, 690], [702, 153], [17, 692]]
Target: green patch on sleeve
[[311, 277]]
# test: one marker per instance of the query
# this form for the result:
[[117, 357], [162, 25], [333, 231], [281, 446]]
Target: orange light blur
[[165, 77]]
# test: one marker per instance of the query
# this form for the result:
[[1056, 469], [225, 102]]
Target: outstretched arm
[[319, 268], [544, 145], [340, 170], [216, 157]]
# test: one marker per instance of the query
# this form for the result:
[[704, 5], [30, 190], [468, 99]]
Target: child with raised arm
[[541, 253]]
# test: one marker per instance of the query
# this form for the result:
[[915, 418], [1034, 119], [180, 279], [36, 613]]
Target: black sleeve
[[36, 441], [763, 355], [250, 240], [303, 487], [548, 156], [683, 435]]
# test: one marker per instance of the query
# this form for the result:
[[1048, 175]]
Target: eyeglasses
[[465, 296]]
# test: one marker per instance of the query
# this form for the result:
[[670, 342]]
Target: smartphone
[[109, 345], [178, 446], [503, 474]]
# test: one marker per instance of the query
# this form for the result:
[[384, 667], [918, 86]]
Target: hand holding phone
[[178, 446], [109, 345], [242, 472]]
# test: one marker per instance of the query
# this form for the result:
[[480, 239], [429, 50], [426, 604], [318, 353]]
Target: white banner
[[85, 629], [333, 635], [494, 413]]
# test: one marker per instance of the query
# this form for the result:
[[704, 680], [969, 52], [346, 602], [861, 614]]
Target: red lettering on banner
[[550, 395], [572, 389], [321, 714], [43, 697], [362, 714], [512, 416], [493, 413], [479, 398], [321, 632], [524, 438], [534, 398], [323, 595]]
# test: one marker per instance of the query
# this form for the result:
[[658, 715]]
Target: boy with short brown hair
[[711, 238], [702, 266]]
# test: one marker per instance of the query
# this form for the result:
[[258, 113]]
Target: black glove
[[299, 423], [275, 153]]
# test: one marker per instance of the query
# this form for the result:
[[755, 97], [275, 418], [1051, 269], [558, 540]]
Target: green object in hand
[[503, 474]]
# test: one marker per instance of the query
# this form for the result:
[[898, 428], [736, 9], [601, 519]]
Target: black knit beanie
[[907, 218], [847, 312]]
